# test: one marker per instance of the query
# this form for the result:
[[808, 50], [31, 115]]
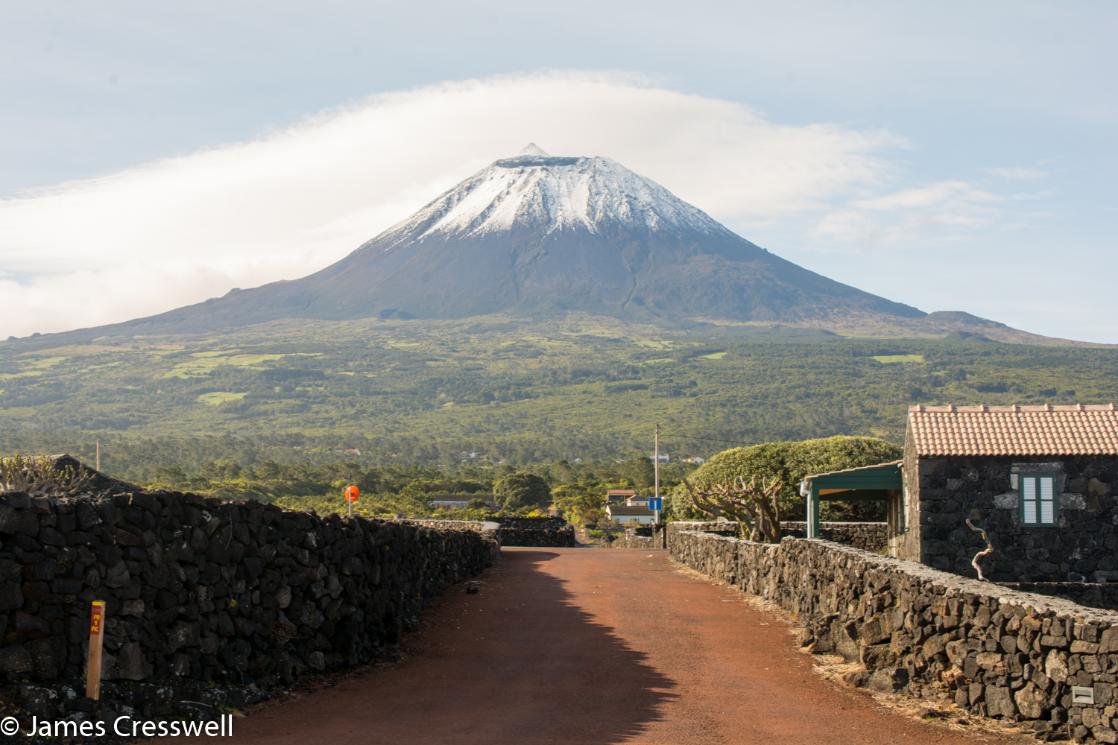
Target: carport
[[864, 483]]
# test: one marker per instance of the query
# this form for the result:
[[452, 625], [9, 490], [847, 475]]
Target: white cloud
[[1018, 173], [917, 216], [184, 229], [931, 195]]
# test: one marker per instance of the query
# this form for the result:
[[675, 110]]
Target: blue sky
[[948, 155]]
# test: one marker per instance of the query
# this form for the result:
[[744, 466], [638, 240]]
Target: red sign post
[[351, 495]]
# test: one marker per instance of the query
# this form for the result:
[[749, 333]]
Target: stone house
[[1041, 480]]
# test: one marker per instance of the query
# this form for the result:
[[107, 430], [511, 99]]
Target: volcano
[[537, 236]]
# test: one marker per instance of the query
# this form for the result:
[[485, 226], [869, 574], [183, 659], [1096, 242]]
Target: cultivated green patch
[[895, 359], [216, 398]]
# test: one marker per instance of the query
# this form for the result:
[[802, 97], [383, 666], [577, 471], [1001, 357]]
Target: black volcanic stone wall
[[1083, 547], [536, 531], [490, 531], [993, 651], [204, 590], [646, 538], [873, 537], [866, 536]]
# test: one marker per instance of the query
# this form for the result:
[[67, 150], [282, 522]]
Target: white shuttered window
[[1038, 501]]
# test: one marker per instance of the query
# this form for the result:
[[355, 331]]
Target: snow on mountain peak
[[547, 193]]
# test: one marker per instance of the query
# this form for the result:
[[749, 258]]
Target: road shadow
[[583, 684], [519, 663]]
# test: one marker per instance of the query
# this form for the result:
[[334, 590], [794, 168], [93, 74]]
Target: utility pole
[[97, 458], [656, 474]]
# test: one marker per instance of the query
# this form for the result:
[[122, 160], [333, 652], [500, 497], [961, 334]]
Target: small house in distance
[[1040, 480], [624, 514]]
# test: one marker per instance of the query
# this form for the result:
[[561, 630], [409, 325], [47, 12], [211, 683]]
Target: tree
[[638, 471], [754, 506], [790, 462], [521, 489], [581, 505]]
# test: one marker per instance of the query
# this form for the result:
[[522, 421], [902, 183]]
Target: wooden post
[[813, 510], [96, 639], [656, 476]]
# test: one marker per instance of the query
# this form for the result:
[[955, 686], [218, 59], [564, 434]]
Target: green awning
[[851, 484]]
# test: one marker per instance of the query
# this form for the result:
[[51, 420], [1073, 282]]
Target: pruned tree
[[41, 475], [754, 505], [984, 552]]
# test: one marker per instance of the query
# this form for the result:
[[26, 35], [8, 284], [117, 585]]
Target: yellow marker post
[[96, 639]]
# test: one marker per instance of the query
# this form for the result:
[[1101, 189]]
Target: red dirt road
[[588, 647]]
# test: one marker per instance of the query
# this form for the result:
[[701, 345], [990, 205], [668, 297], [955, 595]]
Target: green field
[[216, 398], [895, 359]]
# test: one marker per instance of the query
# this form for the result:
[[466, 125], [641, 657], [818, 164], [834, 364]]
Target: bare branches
[[754, 506], [40, 476], [984, 552]]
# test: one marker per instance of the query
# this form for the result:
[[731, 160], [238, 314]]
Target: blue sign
[[655, 504]]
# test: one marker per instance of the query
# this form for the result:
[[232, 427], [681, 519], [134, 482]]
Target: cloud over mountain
[[187, 228]]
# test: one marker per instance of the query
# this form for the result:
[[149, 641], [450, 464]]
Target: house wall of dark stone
[[993, 651], [204, 590], [1083, 546], [905, 534]]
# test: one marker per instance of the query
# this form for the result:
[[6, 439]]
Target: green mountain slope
[[583, 387]]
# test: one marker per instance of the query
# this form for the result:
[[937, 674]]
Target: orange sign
[[351, 493], [96, 617]]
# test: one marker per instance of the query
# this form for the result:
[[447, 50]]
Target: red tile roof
[[1014, 430]]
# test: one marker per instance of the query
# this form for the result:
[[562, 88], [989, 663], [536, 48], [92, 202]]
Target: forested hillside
[[493, 391]]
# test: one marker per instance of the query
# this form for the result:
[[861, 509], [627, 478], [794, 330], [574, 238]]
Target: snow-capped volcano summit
[[537, 191], [537, 235]]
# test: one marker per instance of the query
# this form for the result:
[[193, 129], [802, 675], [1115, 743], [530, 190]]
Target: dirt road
[[588, 647]]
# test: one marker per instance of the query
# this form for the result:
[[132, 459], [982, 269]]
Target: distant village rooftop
[[1075, 429]]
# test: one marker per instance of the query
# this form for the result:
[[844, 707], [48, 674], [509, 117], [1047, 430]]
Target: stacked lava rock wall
[[206, 590]]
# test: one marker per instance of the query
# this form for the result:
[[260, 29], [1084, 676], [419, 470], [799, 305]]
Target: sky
[[952, 156]]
